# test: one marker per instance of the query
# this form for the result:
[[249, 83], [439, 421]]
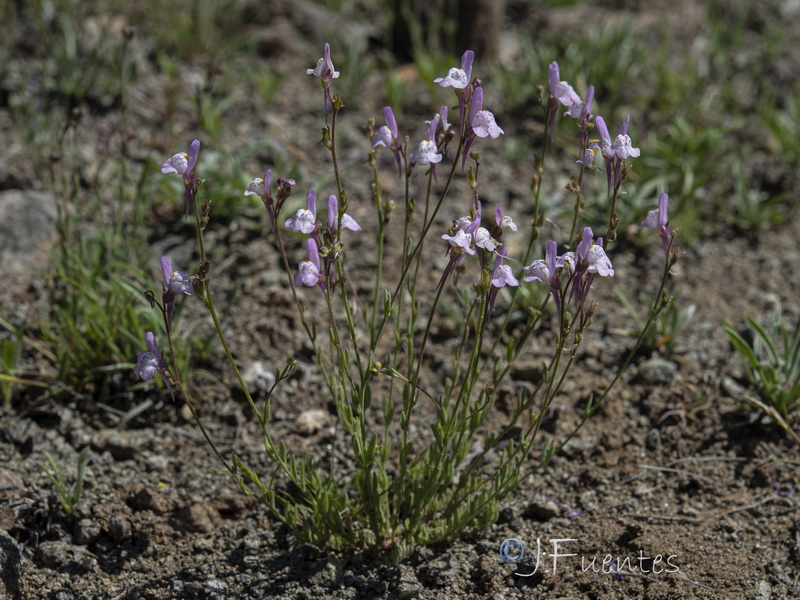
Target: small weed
[[752, 208], [68, 498], [662, 336], [772, 365]]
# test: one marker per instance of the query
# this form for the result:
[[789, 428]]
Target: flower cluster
[[311, 271], [588, 259], [474, 121]]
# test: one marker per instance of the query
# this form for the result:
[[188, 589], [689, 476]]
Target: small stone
[[86, 532], [311, 421], [10, 562], [656, 371], [328, 573], [157, 463], [119, 528], [506, 515], [258, 377], [143, 498], [762, 591], [200, 517], [214, 586], [407, 586], [541, 509], [54, 555]]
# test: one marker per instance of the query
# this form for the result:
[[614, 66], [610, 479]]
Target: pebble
[[10, 563], [85, 532], [656, 371], [311, 421], [258, 377], [328, 573]]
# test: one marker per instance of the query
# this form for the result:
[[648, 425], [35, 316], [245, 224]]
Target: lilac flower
[[483, 125], [176, 282], [458, 78], [426, 154], [605, 138], [502, 275], [260, 187], [151, 362], [503, 221], [615, 152], [257, 187], [597, 261], [460, 81], [348, 222], [305, 219], [308, 270], [324, 69], [546, 271], [563, 93], [622, 148], [326, 73], [442, 126], [483, 239], [659, 220], [460, 240], [184, 164], [389, 136], [589, 156]]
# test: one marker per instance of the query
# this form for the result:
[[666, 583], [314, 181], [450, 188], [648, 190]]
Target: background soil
[[674, 465]]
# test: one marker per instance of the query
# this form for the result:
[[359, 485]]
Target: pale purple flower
[[605, 138], [591, 256], [324, 69], [146, 366], [257, 187], [426, 154], [502, 275], [568, 97], [151, 362], [597, 261], [544, 270], [176, 282], [442, 126], [503, 221], [483, 125], [483, 239], [308, 270], [659, 221], [388, 135], [184, 164], [348, 222], [462, 240], [305, 219], [622, 147], [326, 73], [589, 155], [458, 78]]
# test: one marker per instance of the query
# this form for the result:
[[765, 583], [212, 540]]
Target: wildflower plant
[[772, 365], [412, 479]]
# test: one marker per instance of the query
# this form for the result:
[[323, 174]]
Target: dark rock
[[10, 562], [86, 531]]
